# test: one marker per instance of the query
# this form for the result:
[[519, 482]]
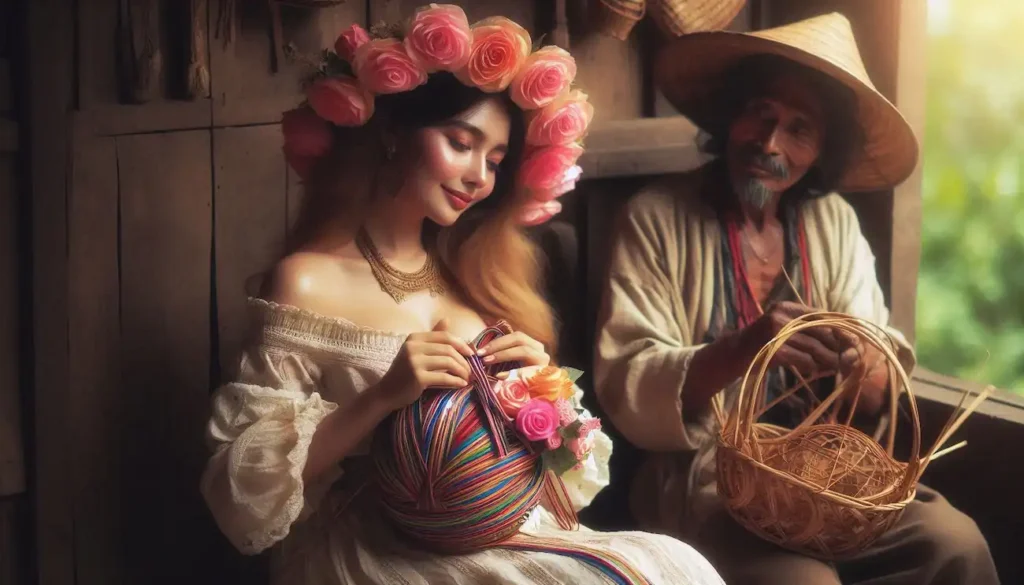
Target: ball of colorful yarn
[[442, 481]]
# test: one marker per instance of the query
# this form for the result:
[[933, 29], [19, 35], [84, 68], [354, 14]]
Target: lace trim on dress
[[320, 331]]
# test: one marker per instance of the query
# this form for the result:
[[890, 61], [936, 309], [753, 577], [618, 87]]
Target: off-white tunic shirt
[[665, 266]]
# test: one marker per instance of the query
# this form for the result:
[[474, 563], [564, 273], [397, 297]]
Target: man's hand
[[815, 351]]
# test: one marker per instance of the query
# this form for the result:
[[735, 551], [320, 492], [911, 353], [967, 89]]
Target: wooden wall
[[152, 208]]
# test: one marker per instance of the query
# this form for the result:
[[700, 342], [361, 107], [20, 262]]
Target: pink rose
[[546, 168], [537, 420], [512, 396], [582, 445], [349, 40], [566, 413], [538, 212], [302, 165], [384, 66], [553, 442], [305, 133], [439, 38], [545, 75], [568, 183], [341, 101], [499, 49], [563, 121]]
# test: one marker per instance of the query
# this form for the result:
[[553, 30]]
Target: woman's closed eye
[[459, 145]]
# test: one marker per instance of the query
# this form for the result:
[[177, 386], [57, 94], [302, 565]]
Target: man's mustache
[[770, 164]]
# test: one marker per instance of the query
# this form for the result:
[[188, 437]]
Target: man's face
[[775, 140]]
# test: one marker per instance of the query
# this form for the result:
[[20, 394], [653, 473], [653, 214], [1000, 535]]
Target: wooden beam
[[645, 146], [911, 83], [51, 34], [8, 135]]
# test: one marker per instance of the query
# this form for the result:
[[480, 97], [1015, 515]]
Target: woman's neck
[[396, 230]]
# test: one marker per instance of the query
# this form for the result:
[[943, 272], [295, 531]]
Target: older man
[[709, 265]]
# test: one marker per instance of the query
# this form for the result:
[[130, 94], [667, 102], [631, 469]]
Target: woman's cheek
[[442, 161]]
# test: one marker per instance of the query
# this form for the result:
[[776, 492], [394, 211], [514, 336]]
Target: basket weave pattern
[[824, 489]]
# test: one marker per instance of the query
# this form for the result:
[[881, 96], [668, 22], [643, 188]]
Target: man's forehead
[[795, 92]]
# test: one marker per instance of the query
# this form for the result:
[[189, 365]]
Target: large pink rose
[[538, 212], [561, 122], [500, 48], [384, 66], [439, 38], [305, 133], [512, 396], [545, 75], [349, 40], [537, 420], [545, 169], [569, 180], [340, 100]]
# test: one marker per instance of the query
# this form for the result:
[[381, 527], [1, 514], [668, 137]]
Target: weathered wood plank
[[116, 120], [250, 222], [51, 33], [12, 451], [6, 87], [14, 551], [166, 229], [94, 362], [646, 146], [245, 90], [523, 13]]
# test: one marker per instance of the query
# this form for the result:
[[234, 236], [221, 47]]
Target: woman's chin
[[444, 217]]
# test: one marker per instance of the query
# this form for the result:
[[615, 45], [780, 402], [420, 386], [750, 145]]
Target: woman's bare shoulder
[[308, 280]]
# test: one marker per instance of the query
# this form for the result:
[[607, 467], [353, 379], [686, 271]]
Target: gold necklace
[[396, 282]]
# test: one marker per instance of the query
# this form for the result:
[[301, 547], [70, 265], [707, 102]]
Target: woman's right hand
[[436, 359]]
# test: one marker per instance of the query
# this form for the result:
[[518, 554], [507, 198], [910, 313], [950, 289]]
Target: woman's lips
[[458, 200]]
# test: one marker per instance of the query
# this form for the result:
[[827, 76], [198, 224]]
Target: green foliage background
[[971, 290]]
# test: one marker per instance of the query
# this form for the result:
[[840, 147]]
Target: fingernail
[[489, 358], [481, 351]]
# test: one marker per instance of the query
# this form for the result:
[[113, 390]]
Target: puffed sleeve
[[259, 431]]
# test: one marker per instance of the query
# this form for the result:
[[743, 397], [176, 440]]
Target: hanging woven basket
[[617, 18], [825, 490], [681, 17]]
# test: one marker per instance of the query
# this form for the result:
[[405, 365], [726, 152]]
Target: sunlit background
[[970, 303]]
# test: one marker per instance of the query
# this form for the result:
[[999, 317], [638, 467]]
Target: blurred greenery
[[970, 303]]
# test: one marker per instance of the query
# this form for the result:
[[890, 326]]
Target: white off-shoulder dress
[[299, 368]]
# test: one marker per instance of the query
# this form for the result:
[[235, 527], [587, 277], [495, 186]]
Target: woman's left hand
[[515, 347]]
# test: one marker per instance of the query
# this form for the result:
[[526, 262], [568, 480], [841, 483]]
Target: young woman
[[410, 242]]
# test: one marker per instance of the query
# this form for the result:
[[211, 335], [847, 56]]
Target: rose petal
[[340, 100], [439, 38], [384, 66], [349, 40], [536, 213]]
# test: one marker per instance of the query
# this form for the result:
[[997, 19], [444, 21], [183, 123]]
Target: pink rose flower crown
[[493, 55]]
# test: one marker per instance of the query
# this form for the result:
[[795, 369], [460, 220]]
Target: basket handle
[[751, 392]]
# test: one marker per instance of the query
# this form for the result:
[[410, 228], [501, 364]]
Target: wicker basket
[[682, 17], [826, 490], [617, 18]]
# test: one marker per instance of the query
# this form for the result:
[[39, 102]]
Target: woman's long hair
[[487, 256]]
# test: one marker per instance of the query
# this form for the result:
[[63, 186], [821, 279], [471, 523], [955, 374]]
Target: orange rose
[[550, 383], [500, 47], [512, 396], [545, 75]]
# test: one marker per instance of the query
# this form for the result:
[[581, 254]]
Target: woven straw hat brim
[[688, 69]]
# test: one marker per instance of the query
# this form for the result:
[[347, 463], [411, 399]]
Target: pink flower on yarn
[[305, 133], [512, 396], [439, 38], [545, 169], [340, 100], [538, 212], [349, 40], [537, 420], [553, 442], [566, 412], [582, 445], [499, 49], [384, 66], [561, 122], [545, 75]]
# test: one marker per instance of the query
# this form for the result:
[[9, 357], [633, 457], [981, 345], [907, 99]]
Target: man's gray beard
[[754, 192]]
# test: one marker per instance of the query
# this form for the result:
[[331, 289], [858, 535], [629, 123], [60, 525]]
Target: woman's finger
[[445, 363], [525, 355], [509, 341]]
